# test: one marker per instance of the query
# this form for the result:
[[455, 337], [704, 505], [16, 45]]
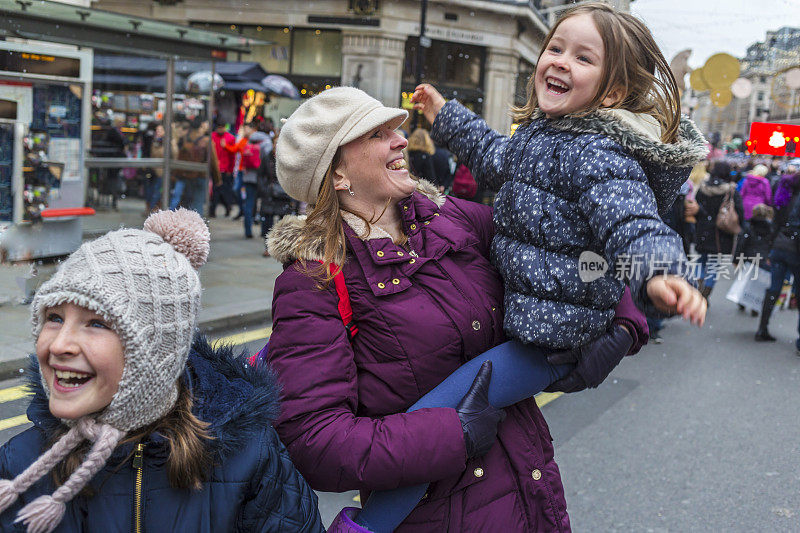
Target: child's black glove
[[478, 418], [594, 360]]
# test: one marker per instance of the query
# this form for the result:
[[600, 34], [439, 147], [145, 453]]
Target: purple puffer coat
[[755, 190], [420, 316], [419, 319]]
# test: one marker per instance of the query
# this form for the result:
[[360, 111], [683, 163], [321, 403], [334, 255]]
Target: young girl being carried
[[601, 149], [136, 428]]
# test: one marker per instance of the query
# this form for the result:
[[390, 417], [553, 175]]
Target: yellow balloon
[[721, 97], [697, 81], [721, 70]]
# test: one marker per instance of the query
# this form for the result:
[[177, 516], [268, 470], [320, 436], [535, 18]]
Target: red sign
[[769, 138]]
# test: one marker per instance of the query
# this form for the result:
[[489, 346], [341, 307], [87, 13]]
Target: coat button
[[494, 309], [476, 325], [381, 286], [536, 474], [427, 222], [413, 227], [478, 472], [379, 253], [401, 254], [412, 261], [395, 281], [436, 214]]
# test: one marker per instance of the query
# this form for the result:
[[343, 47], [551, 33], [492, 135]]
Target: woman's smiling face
[[374, 166], [81, 359]]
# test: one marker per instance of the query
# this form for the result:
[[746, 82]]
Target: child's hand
[[428, 100], [673, 294]]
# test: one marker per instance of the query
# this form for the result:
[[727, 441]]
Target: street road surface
[[700, 433]]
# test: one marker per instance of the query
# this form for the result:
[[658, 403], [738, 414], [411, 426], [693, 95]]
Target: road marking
[[14, 421], [244, 338], [13, 393], [543, 398]]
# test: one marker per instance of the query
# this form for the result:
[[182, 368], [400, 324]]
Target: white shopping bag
[[749, 286]]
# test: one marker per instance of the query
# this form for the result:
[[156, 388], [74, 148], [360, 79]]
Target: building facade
[[764, 65], [479, 51]]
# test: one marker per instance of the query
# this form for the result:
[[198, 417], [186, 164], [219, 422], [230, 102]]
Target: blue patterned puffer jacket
[[252, 487], [569, 186]]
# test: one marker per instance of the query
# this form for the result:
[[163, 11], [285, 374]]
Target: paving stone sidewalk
[[237, 282]]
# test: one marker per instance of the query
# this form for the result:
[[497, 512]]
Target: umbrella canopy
[[200, 82], [280, 86]]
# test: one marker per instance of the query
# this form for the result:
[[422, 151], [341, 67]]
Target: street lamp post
[[424, 42]]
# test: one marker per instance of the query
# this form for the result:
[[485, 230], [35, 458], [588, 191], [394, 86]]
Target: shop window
[[455, 64], [317, 52], [274, 57]]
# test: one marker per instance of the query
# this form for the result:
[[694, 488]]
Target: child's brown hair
[[639, 70]]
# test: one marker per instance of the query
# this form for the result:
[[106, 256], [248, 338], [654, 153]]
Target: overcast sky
[[711, 26]]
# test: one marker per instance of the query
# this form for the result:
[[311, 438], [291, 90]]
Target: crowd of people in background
[[761, 196]]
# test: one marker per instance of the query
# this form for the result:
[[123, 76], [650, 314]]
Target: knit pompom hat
[[145, 284], [310, 136]]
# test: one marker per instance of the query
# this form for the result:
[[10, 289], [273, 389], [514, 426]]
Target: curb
[[12, 368]]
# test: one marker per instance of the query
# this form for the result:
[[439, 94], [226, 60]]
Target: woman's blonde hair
[[420, 141], [188, 460], [638, 70]]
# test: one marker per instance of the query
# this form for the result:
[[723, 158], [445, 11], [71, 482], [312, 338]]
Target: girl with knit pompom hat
[[138, 424]]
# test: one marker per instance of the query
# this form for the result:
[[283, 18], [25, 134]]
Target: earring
[[348, 190]]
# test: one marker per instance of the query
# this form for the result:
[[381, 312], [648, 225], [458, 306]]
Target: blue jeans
[[152, 191], [250, 193], [518, 372], [237, 190], [709, 278], [196, 190], [177, 193]]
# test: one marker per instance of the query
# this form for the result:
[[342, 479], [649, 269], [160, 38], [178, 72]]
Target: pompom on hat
[[311, 135], [145, 284]]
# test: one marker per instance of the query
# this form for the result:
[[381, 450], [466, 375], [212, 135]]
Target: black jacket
[[709, 197]]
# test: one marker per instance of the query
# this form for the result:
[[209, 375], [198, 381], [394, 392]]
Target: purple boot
[[344, 523]]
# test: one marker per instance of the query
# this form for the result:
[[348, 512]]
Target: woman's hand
[[673, 294], [593, 361], [428, 100]]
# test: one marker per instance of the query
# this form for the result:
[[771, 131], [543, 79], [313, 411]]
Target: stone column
[[500, 78], [374, 63]]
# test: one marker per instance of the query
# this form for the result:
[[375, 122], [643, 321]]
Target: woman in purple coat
[[426, 299]]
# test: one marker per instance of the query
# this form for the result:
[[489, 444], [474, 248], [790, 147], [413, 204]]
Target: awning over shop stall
[[144, 73]]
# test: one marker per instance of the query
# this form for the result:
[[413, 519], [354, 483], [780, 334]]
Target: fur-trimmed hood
[[716, 187], [285, 245], [237, 400], [639, 135], [633, 132]]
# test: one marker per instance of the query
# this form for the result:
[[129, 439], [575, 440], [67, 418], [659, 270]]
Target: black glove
[[478, 418], [595, 360]]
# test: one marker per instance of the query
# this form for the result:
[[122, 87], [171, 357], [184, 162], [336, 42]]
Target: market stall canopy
[[147, 73], [95, 28]]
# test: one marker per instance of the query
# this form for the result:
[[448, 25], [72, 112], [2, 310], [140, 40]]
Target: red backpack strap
[[345, 309]]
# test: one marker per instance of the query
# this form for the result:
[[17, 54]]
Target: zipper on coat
[[138, 465]]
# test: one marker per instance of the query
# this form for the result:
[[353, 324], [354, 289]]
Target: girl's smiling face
[[570, 69], [81, 359]]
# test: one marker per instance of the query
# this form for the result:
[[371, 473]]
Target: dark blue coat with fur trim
[[253, 485], [567, 186]]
